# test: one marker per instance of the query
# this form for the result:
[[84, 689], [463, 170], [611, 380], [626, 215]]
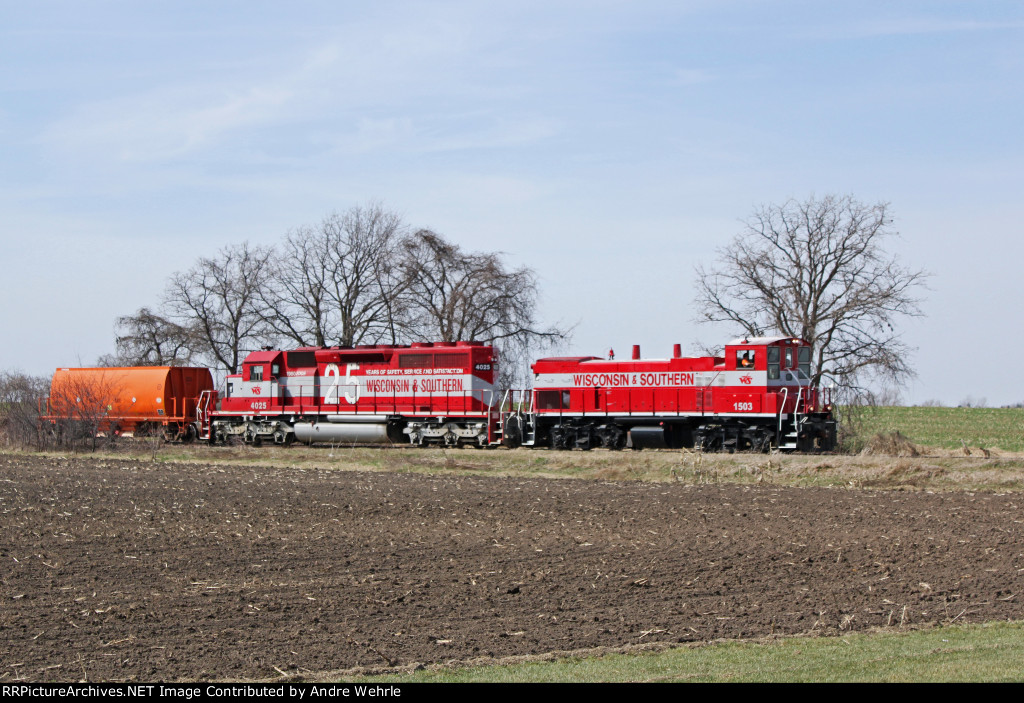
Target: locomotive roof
[[261, 357], [760, 340]]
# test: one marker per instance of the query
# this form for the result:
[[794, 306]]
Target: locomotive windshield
[[804, 358], [773, 363]]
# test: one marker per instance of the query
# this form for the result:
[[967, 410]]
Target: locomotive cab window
[[255, 373], [789, 358], [773, 363], [745, 359]]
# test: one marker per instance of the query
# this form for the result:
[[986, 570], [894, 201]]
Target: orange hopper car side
[[130, 399]]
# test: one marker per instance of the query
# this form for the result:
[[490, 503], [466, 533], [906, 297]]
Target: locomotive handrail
[[782, 408]]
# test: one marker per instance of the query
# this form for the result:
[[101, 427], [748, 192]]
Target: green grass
[[1001, 428], [993, 652]]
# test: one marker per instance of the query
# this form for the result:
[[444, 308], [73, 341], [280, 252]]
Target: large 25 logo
[[334, 388]]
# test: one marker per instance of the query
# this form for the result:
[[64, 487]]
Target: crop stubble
[[121, 569]]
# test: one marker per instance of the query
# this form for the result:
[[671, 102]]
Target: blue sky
[[608, 145]]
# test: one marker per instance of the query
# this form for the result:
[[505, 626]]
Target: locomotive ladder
[[790, 439], [524, 416]]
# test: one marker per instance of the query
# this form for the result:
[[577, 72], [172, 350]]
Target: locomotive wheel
[[711, 443]]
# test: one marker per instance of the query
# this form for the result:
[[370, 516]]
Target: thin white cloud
[[359, 68], [928, 25], [906, 26], [163, 124], [691, 76], [440, 133]]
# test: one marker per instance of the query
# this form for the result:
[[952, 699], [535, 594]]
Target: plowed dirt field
[[116, 569]]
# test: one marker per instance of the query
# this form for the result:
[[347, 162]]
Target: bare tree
[[79, 404], [21, 400], [220, 298], [818, 270], [355, 278], [455, 295], [149, 338], [337, 283]]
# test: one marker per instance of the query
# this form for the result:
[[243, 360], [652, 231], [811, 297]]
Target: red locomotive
[[755, 397], [424, 393]]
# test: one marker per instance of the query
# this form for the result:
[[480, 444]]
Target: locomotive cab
[[255, 390], [781, 365]]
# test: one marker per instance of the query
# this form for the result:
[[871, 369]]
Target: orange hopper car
[[134, 400]]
